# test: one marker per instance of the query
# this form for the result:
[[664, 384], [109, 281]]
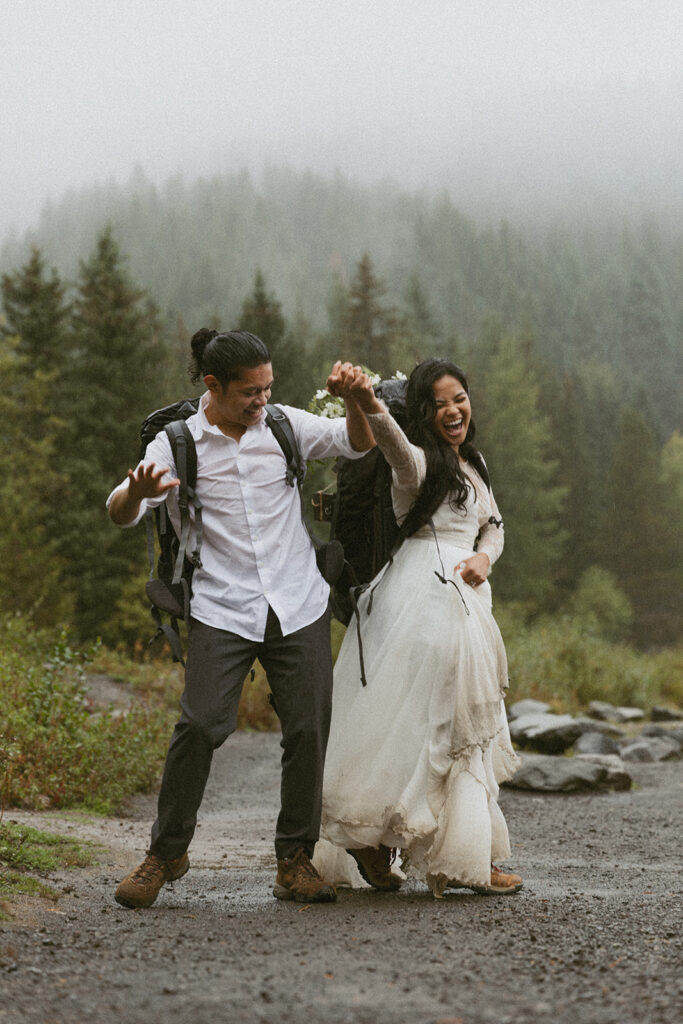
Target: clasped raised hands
[[352, 383]]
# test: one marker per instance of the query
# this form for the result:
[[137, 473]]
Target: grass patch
[[30, 849], [24, 849], [14, 884]]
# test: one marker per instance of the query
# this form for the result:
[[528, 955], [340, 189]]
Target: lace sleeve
[[491, 535], [406, 460]]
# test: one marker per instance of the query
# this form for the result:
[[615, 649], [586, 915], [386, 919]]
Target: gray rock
[[609, 713], [617, 776], [629, 714], [548, 733], [662, 714], [601, 709], [593, 742], [650, 748], [527, 707], [595, 725], [672, 735], [676, 732], [566, 775], [636, 750]]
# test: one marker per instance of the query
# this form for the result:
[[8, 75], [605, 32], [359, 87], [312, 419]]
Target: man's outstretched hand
[[147, 482]]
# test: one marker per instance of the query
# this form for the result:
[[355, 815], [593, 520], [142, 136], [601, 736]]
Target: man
[[258, 595]]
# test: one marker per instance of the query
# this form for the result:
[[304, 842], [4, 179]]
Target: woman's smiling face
[[453, 410]]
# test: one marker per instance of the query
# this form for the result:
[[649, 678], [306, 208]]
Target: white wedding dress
[[415, 758]]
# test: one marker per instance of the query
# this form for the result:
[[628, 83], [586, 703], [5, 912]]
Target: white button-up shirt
[[255, 549]]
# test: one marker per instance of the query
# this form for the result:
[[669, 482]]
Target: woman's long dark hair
[[444, 475], [225, 354]]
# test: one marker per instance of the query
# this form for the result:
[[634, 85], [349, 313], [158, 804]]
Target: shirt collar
[[199, 424]]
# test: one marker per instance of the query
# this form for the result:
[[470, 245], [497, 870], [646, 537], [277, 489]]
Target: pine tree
[[515, 439], [36, 311], [644, 545], [370, 323], [112, 383], [651, 345], [31, 557], [583, 512], [420, 337], [262, 315], [33, 411]]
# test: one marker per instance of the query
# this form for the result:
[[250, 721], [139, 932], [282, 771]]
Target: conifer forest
[[569, 332]]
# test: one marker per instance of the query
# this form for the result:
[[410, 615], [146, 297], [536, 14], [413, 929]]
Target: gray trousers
[[299, 670]]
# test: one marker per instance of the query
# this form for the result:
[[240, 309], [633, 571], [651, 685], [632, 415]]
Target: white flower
[[400, 376], [331, 411], [321, 393], [375, 379]]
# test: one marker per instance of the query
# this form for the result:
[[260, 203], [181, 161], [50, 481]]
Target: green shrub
[[53, 751], [567, 662], [600, 603]]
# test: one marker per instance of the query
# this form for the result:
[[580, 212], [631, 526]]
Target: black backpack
[[361, 513], [169, 587]]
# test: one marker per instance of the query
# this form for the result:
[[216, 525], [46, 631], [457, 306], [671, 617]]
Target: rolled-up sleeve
[[159, 452], [319, 437]]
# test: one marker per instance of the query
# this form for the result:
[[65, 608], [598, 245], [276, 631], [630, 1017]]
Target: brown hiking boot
[[298, 880], [141, 887], [501, 884], [375, 867]]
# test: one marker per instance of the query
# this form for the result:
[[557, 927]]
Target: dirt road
[[595, 935]]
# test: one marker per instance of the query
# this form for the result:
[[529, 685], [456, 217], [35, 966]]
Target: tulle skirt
[[415, 758]]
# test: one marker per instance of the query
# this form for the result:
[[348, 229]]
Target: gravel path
[[595, 935]]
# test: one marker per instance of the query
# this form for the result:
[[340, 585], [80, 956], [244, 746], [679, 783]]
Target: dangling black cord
[[442, 575]]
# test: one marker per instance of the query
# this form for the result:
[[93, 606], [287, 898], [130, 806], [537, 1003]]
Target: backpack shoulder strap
[[477, 460], [280, 424], [185, 457]]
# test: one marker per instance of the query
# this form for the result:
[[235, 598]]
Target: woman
[[415, 758]]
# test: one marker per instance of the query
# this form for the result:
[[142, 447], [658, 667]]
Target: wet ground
[[595, 935]]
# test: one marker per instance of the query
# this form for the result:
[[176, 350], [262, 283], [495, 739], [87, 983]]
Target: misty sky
[[502, 101]]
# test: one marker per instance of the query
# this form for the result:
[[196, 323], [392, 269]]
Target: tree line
[[587, 475]]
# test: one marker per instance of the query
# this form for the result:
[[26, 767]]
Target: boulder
[[629, 714], [568, 775], [671, 734], [548, 733], [527, 707], [601, 709], [662, 714], [592, 742], [595, 725], [609, 713], [617, 775], [650, 748]]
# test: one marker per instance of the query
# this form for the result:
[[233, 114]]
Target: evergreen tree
[[36, 311], [33, 362], [564, 403], [31, 562], [643, 548], [370, 323], [262, 315], [420, 337], [651, 345], [112, 384], [515, 439]]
